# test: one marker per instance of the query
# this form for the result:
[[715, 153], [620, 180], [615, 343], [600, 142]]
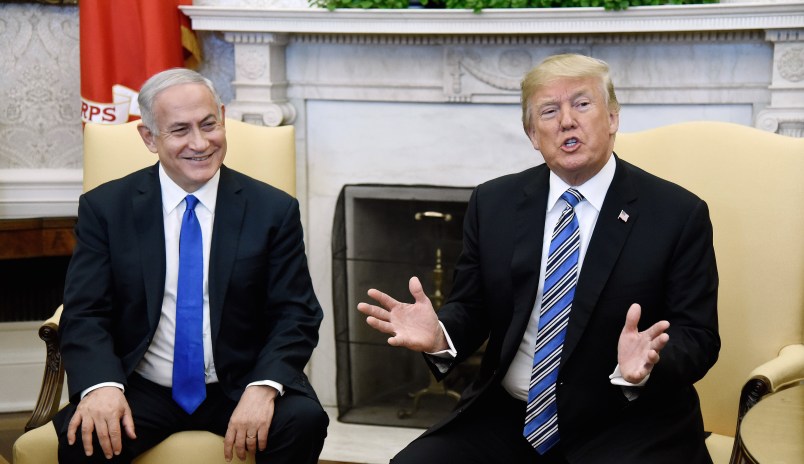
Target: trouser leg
[[489, 432]]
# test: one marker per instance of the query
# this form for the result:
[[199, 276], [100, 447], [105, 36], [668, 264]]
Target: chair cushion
[[40, 446], [719, 447], [192, 446]]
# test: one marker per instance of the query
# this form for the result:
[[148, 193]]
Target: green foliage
[[478, 5], [365, 4]]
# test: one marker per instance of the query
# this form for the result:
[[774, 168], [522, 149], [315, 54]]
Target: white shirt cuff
[[104, 384], [449, 353], [443, 359], [630, 390], [278, 386]]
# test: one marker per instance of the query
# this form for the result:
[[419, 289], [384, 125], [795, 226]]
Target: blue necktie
[[561, 275], [189, 388]]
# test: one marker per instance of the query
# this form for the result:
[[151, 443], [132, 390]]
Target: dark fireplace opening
[[383, 235], [32, 288], [34, 255]]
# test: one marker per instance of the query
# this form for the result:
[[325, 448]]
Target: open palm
[[411, 325]]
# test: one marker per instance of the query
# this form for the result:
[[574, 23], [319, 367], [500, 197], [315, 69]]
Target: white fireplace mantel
[[431, 97], [662, 18]]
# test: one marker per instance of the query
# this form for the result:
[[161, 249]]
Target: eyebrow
[[573, 97], [181, 124]]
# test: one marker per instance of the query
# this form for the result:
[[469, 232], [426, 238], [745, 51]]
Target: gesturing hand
[[101, 411], [413, 326], [638, 352]]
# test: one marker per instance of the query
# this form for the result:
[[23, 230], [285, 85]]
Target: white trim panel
[[34, 193]]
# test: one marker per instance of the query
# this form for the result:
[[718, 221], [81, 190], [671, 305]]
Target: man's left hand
[[250, 422], [638, 352]]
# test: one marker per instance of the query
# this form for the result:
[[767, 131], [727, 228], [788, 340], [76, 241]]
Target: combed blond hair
[[565, 66]]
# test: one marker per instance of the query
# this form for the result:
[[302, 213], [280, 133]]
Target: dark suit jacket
[[661, 257], [264, 314]]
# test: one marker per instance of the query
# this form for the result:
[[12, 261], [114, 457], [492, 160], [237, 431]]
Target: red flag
[[123, 43]]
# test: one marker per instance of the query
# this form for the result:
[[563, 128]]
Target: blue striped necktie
[[561, 275], [189, 388]]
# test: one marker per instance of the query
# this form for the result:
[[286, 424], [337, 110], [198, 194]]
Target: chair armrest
[[779, 372], [53, 379], [785, 369]]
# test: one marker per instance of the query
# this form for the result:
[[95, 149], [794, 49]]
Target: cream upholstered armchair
[[110, 152], [753, 183]]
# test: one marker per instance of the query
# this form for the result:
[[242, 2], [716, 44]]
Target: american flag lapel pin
[[623, 216]]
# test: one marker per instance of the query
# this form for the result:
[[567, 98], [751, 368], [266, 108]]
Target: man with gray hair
[[188, 302]]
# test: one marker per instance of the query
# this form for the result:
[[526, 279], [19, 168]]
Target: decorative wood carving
[[53, 379]]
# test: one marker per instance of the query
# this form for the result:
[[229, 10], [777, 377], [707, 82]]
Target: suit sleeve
[[464, 316], [87, 345], [293, 314], [691, 294]]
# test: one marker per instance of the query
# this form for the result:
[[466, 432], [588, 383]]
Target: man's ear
[[614, 122], [147, 137], [534, 140], [223, 115]]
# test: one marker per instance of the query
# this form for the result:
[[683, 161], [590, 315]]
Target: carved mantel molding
[[784, 115], [261, 34], [663, 18]]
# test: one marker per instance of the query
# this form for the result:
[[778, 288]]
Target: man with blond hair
[[593, 284]]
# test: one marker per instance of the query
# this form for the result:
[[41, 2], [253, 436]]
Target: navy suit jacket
[[264, 314], [661, 257]]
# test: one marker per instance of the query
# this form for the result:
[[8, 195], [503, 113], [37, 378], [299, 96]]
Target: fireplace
[[382, 235]]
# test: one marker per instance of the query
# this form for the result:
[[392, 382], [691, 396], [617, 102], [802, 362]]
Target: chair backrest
[[753, 182], [264, 153]]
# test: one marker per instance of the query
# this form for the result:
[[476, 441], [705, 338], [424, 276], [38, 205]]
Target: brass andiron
[[437, 298]]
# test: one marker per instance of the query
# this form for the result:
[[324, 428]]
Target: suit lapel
[[608, 239], [229, 212], [531, 209], [150, 230]]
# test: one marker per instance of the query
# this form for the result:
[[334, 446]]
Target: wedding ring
[[251, 436]]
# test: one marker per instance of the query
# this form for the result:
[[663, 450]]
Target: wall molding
[[518, 40], [27, 193]]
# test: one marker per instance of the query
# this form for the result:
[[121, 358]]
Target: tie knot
[[192, 201], [572, 197]]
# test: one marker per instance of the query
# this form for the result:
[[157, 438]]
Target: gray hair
[[164, 80]]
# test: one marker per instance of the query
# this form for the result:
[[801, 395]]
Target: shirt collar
[[593, 190], [173, 195]]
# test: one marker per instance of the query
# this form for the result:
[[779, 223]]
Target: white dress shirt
[[594, 190], [157, 364]]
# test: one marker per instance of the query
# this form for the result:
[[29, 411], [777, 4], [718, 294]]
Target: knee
[[312, 420], [303, 416]]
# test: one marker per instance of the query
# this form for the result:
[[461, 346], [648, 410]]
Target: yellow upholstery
[[752, 182], [264, 153], [110, 152], [39, 446]]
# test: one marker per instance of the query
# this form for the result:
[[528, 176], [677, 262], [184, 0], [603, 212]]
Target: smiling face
[[191, 140], [573, 127]]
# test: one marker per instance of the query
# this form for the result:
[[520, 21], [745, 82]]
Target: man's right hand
[[413, 326], [102, 411]]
